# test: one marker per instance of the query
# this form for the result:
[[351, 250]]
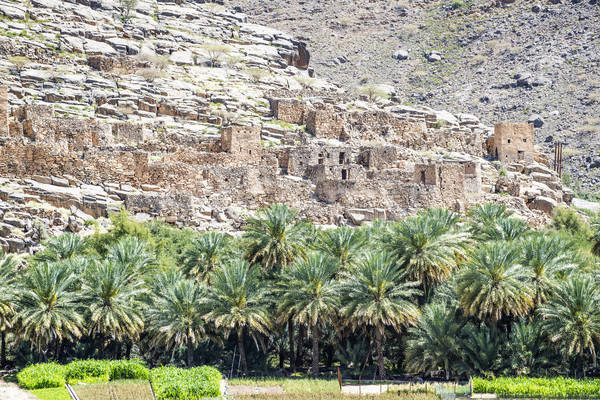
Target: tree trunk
[[240, 333], [581, 367], [57, 350], [300, 348], [380, 362], [330, 353], [118, 350], [281, 356], [190, 356], [494, 327], [128, 347], [447, 369], [315, 350], [2, 349], [292, 353]]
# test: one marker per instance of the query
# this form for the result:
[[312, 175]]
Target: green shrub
[[177, 383], [539, 387], [128, 369], [567, 220], [42, 376], [88, 371]]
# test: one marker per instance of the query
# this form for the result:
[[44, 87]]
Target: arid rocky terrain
[[517, 60], [195, 115]]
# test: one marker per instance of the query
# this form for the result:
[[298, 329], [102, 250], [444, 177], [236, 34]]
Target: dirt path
[[10, 391]]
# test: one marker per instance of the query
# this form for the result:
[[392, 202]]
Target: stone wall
[[326, 123], [243, 143], [513, 142], [291, 111], [4, 128]]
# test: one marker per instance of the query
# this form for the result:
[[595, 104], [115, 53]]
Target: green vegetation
[[478, 294], [546, 388], [59, 393], [194, 383], [50, 375], [41, 376]]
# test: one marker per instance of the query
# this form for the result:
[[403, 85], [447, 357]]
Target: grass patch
[[178, 383], [294, 386], [122, 390], [545, 388], [59, 393], [390, 395]]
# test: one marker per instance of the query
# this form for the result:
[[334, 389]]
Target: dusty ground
[[10, 391], [249, 389], [365, 389]]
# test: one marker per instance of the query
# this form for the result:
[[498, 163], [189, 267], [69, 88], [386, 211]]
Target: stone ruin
[[513, 142], [99, 166]]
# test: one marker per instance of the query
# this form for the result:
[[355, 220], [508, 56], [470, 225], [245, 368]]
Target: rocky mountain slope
[[514, 60], [191, 114]]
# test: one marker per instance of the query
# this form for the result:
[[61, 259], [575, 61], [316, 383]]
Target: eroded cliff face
[[190, 114]]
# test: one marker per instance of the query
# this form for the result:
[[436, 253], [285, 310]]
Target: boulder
[[75, 224], [536, 120], [400, 54], [93, 47], [544, 204], [15, 245], [433, 56]]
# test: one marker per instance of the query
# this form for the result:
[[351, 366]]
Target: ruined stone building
[[513, 142], [178, 174]]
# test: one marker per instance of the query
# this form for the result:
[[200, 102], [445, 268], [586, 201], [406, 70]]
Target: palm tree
[[176, 315], [493, 284], [343, 244], [484, 214], [237, 300], [546, 257], [8, 268], [506, 229], [434, 342], [479, 350], [133, 253], [375, 296], [528, 350], [48, 309], [572, 317], [273, 238], [426, 246], [204, 254], [63, 247], [113, 299], [310, 294]]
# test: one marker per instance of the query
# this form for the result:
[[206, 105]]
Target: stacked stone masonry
[[323, 180]]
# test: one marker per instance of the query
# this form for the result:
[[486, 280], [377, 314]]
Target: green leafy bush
[[128, 369], [42, 376], [88, 371], [522, 387], [194, 383]]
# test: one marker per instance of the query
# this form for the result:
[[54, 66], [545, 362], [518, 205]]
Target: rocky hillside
[[191, 114], [514, 60]]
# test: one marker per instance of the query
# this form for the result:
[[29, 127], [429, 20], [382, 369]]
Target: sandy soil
[[10, 391]]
